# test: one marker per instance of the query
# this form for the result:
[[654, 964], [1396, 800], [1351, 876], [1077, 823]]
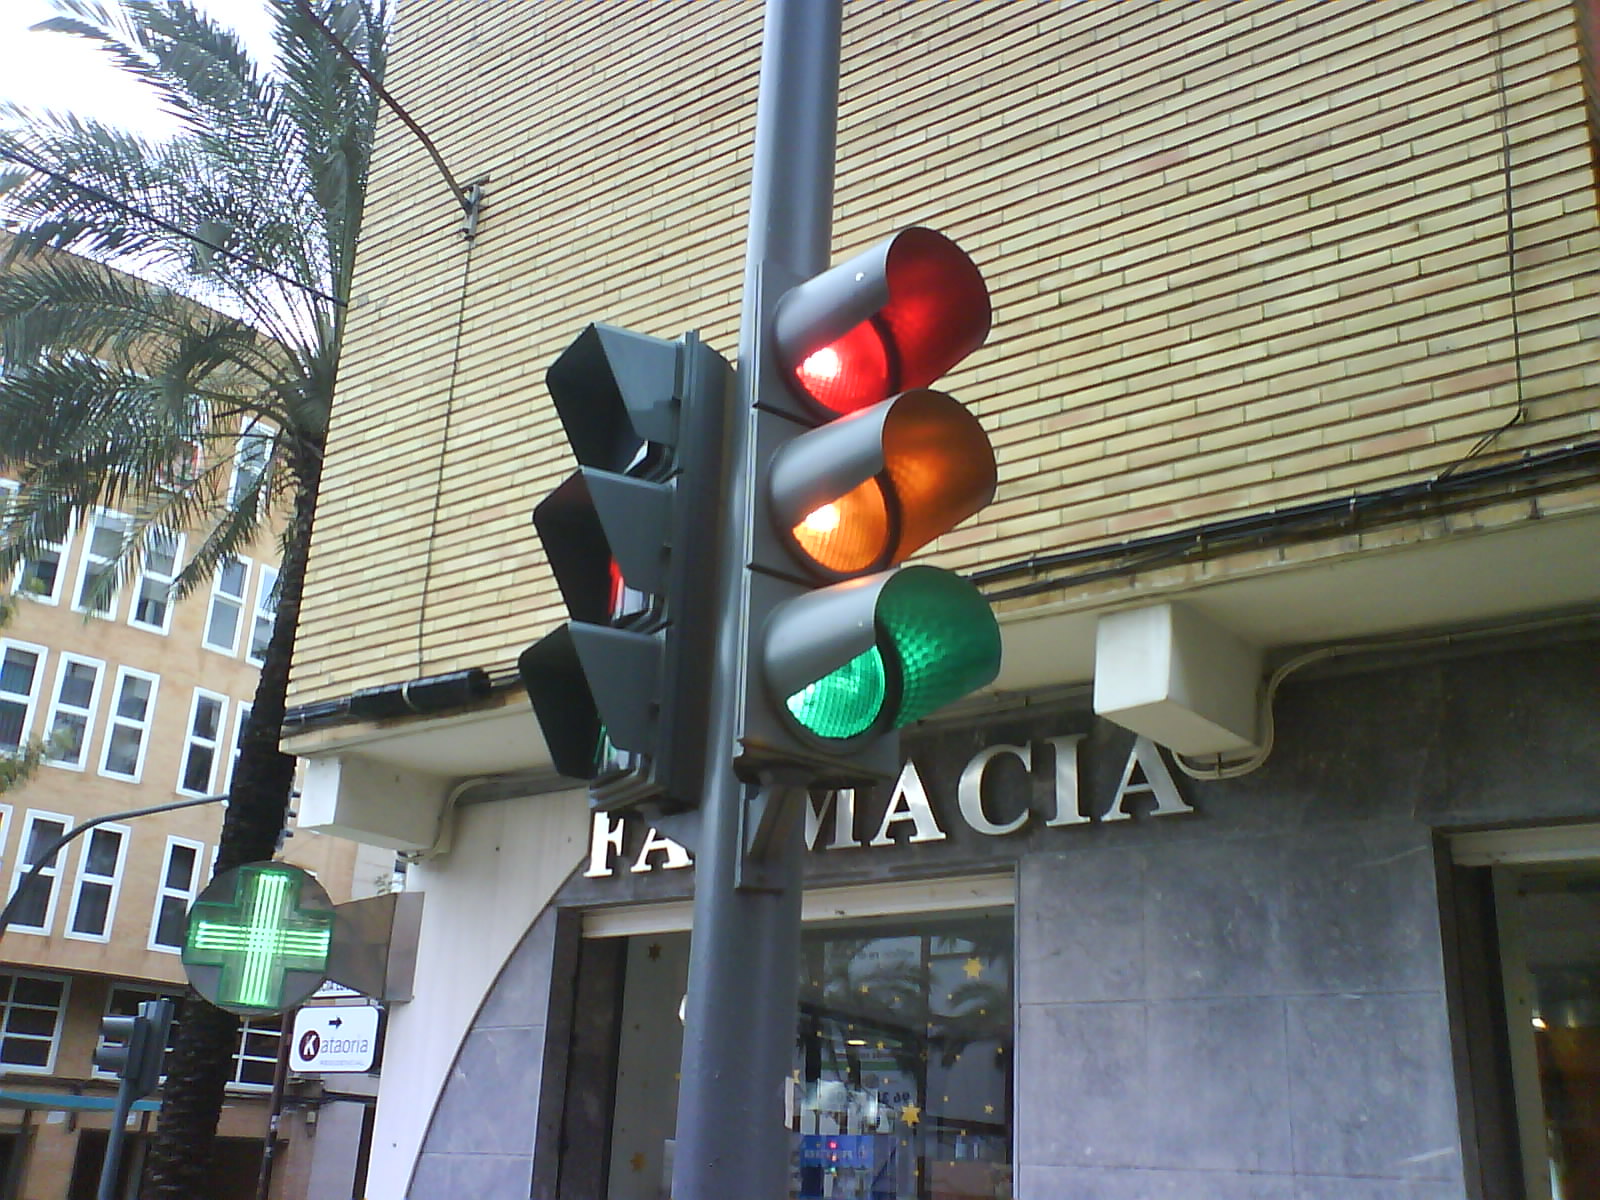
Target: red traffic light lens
[[936, 312]]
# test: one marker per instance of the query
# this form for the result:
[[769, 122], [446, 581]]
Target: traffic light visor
[[870, 490], [895, 317], [930, 639]]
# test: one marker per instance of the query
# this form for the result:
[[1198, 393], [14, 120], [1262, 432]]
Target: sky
[[52, 70]]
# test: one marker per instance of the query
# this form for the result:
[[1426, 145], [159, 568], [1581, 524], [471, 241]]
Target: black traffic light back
[[620, 691], [132, 1048]]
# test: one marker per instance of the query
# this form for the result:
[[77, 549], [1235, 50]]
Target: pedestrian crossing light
[[258, 939], [860, 464]]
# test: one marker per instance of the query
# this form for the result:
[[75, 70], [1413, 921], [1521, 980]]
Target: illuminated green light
[[846, 701], [256, 934]]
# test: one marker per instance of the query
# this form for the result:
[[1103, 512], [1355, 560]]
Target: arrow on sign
[[336, 1022]]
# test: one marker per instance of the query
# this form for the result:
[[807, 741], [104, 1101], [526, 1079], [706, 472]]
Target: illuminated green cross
[[257, 935]]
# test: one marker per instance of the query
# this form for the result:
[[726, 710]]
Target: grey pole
[[739, 1019]]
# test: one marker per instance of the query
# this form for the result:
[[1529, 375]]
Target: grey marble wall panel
[[480, 1141], [1090, 1183], [478, 1176], [1082, 1095], [1213, 915], [1219, 1085], [1371, 1089], [1081, 928]]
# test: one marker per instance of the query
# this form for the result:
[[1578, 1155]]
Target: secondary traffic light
[[132, 1048], [859, 465], [620, 691]]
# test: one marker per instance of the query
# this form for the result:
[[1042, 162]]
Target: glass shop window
[[901, 1082]]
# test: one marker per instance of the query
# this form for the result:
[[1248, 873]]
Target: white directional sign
[[342, 1038]]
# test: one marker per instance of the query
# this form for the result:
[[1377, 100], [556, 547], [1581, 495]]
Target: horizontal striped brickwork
[[1243, 256]]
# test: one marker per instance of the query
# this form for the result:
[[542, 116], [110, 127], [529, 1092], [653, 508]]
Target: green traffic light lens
[[943, 635], [846, 701]]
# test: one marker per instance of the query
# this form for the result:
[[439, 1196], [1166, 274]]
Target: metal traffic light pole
[[743, 966]]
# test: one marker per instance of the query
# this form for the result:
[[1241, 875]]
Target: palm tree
[[127, 388]]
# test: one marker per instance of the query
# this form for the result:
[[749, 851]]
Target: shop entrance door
[[1549, 922]]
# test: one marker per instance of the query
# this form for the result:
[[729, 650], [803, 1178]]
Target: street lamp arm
[[49, 856]]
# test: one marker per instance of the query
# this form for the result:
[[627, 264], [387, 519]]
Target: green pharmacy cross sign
[[258, 939]]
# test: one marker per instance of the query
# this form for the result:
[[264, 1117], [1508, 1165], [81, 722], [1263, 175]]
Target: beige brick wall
[[1242, 256]]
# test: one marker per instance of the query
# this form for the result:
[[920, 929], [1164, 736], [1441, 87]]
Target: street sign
[[333, 1039]]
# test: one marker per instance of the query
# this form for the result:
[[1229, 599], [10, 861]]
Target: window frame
[[113, 881], [241, 714], [20, 866], [165, 892], [114, 719], [7, 1003], [9, 488], [266, 585], [190, 741], [249, 1026], [255, 433], [87, 558], [145, 575], [238, 602], [65, 660], [31, 702]]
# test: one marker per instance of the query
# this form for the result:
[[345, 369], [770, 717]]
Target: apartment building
[[138, 700], [1294, 379]]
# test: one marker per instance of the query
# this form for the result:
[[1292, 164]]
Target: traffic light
[[132, 1048], [621, 690], [859, 464]]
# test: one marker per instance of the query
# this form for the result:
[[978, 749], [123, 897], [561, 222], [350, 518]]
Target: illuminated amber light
[[854, 533]]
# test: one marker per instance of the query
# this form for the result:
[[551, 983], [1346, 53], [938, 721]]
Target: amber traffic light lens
[[851, 534]]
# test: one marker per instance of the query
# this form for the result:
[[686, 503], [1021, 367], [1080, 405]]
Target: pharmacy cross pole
[[250, 934]]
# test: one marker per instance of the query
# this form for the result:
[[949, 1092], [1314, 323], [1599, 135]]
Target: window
[[256, 1062], [21, 669], [70, 724], [99, 879], [205, 731], [40, 577], [240, 718], [180, 881], [250, 459], [96, 592], [36, 907], [132, 710], [152, 596], [31, 1011], [227, 605], [266, 613]]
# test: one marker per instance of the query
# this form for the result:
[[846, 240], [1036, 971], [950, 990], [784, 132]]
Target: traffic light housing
[[132, 1048], [620, 691], [859, 464]]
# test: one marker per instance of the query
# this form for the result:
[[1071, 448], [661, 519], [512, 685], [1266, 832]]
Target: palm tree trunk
[[201, 1061]]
